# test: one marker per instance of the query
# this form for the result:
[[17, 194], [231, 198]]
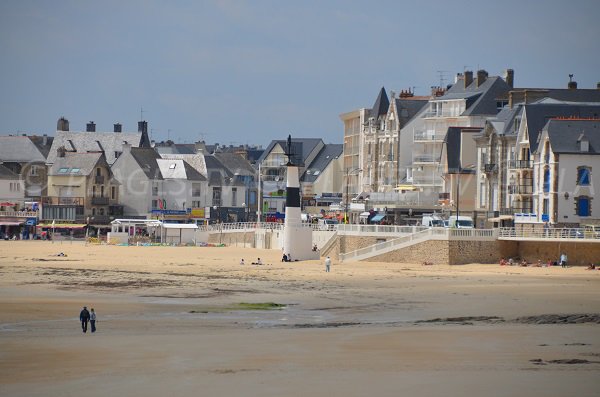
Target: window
[[154, 204], [584, 206], [33, 171], [501, 104], [233, 196], [63, 170], [101, 211], [482, 198], [583, 176], [546, 180], [546, 206], [216, 199], [196, 204], [102, 191], [15, 186], [98, 171], [117, 154], [74, 170], [94, 191], [196, 189], [155, 190], [113, 192], [172, 166]]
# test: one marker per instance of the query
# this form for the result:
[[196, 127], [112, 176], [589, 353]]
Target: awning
[[6, 223], [500, 218], [63, 226], [365, 214], [180, 226], [406, 187], [377, 218]]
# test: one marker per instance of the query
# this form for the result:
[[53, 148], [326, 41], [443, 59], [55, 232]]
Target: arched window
[[583, 176], [546, 180]]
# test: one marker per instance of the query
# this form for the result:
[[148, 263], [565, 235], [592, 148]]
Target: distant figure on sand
[[285, 258], [315, 248], [93, 319], [242, 262], [258, 262], [327, 264], [84, 317], [563, 260]]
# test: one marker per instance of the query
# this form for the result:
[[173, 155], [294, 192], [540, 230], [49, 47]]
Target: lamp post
[[348, 173]]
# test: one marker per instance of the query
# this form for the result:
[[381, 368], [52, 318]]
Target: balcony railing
[[18, 214], [99, 179], [428, 136], [426, 159], [54, 200], [99, 200], [520, 164], [520, 189], [427, 181], [490, 167]]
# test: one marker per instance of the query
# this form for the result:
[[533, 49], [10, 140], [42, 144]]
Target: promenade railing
[[548, 233]]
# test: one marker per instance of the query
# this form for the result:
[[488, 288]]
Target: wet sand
[[170, 323]]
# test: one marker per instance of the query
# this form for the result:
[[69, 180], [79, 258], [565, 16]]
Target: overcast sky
[[239, 72]]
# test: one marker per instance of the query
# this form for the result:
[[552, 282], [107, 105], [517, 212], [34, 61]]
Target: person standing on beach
[[93, 319], [327, 264], [84, 317], [563, 259]]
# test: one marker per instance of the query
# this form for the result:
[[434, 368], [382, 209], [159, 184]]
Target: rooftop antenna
[[168, 134], [141, 113], [442, 74]]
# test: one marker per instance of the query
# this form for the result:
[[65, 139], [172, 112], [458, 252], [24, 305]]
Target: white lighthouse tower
[[297, 239]]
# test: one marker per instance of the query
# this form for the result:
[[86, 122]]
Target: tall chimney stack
[[143, 126], [62, 124], [481, 77], [468, 78], [90, 127], [509, 77], [117, 127]]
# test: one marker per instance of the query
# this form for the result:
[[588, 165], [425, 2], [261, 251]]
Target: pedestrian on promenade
[[84, 317], [563, 259]]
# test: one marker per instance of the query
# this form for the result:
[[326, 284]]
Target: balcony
[[427, 159], [520, 189], [99, 200], [99, 180], [520, 164], [428, 136], [427, 181], [70, 201], [490, 168], [18, 214]]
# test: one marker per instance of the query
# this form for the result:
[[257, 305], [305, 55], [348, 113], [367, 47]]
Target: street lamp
[[348, 173]]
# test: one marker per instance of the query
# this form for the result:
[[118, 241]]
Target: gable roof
[[175, 148], [217, 173], [480, 100], [147, 160], [82, 142], [235, 163], [538, 114], [21, 149], [301, 147], [408, 108], [329, 153], [453, 149], [6, 173], [195, 160], [564, 135], [76, 164], [178, 169]]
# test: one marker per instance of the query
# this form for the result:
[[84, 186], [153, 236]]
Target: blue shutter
[[583, 207]]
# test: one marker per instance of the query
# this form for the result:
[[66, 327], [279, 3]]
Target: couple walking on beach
[[85, 316]]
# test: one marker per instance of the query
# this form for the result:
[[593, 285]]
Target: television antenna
[[442, 74]]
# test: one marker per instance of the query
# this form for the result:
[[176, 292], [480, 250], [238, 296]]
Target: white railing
[[19, 214], [549, 234], [380, 248], [429, 136], [351, 229], [241, 226]]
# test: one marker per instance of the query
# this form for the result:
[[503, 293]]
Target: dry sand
[[169, 325]]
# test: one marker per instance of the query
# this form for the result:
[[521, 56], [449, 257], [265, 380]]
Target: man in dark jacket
[[84, 317]]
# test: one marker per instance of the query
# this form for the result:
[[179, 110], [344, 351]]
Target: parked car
[[591, 231]]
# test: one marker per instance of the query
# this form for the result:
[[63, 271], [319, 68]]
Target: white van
[[327, 224], [432, 220], [461, 222]]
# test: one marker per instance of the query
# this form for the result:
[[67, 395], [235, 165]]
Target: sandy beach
[[172, 321]]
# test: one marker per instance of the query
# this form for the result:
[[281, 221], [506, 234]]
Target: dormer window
[[172, 166]]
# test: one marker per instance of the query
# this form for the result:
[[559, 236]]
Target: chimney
[[481, 77], [117, 127], [509, 77], [62, 124], [458, 77], [598, 85], [126, 147], [143, 126], [44, 139], [90, 127], [572, 84], [60, 152], [584, 143], [468, 78]]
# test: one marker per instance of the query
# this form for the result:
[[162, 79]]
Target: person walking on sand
[[84, 317], [93, 319], [563, 259], [327, 264]]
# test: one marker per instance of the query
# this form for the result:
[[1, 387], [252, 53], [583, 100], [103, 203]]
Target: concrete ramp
[[392, 245]]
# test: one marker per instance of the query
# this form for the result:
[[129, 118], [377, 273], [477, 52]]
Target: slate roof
[[453, 144], [22, 149], [381, 105], [409, 108], [564, 135], [537, 116], [217, 173], [235, 163], [77, 164], [176, 148], [6, 173], [195, 160], [82, 142], [480, 100], [329, 153], [504, 121], [147, 160], [301, 147]]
